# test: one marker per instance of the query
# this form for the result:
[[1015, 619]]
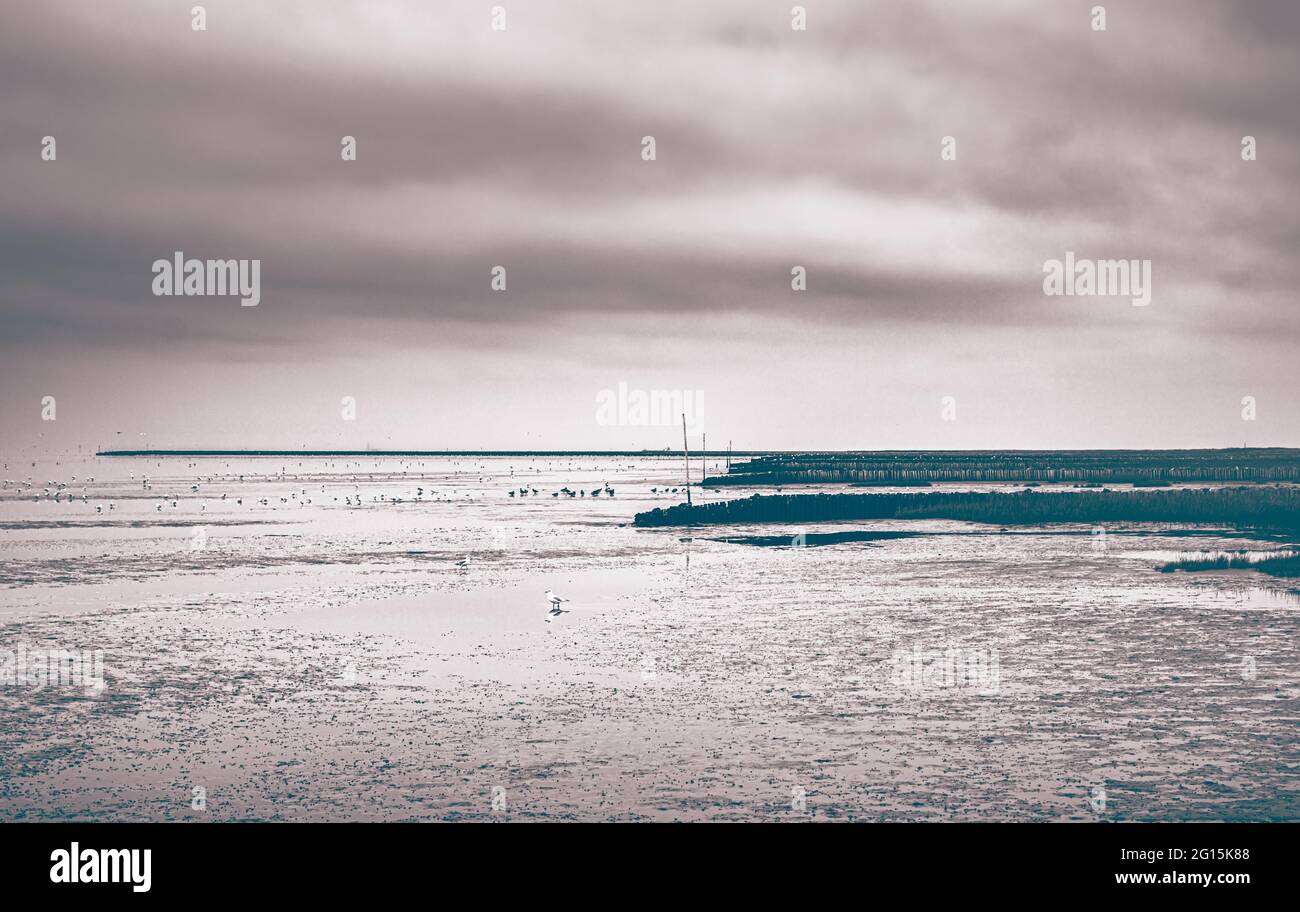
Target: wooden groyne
[[1019, 466], [1256, 506]]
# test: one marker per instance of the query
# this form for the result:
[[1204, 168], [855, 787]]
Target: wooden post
[[687, 452], [704, 459]]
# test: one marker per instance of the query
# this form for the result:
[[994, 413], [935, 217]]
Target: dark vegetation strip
[[1285, 565], [1253, 507]]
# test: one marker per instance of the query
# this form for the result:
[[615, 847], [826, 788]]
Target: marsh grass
[[1256, 507], [1282, 564]]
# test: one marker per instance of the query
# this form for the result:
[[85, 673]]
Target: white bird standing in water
[[554, 601]]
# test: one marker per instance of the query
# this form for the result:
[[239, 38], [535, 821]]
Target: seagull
[[464, 562], [555, 601]]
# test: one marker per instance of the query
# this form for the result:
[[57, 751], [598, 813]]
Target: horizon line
[[659, 452]]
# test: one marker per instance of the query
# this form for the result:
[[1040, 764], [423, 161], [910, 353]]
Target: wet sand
[[330, 662]]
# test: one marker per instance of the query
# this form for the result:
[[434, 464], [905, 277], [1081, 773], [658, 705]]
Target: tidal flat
[[351, 649]]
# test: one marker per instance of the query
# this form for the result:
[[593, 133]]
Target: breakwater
[[1274, 464], [1255, 506]]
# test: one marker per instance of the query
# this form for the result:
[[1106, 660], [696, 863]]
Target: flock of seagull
[[528, 491], [60, 492], [63, 492]]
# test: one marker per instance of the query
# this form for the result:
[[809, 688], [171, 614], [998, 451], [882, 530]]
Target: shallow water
[[324, 660]]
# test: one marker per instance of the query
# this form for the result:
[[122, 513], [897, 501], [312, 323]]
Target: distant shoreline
[[741, 454], [674, 454]]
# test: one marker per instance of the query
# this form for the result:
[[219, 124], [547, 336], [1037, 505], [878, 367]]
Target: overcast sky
[[774, 148]]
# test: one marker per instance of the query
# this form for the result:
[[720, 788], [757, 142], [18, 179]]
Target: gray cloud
[[775, 148]]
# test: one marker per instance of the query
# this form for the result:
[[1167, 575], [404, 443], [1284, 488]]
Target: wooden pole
[[704, 459], [687, 452]]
